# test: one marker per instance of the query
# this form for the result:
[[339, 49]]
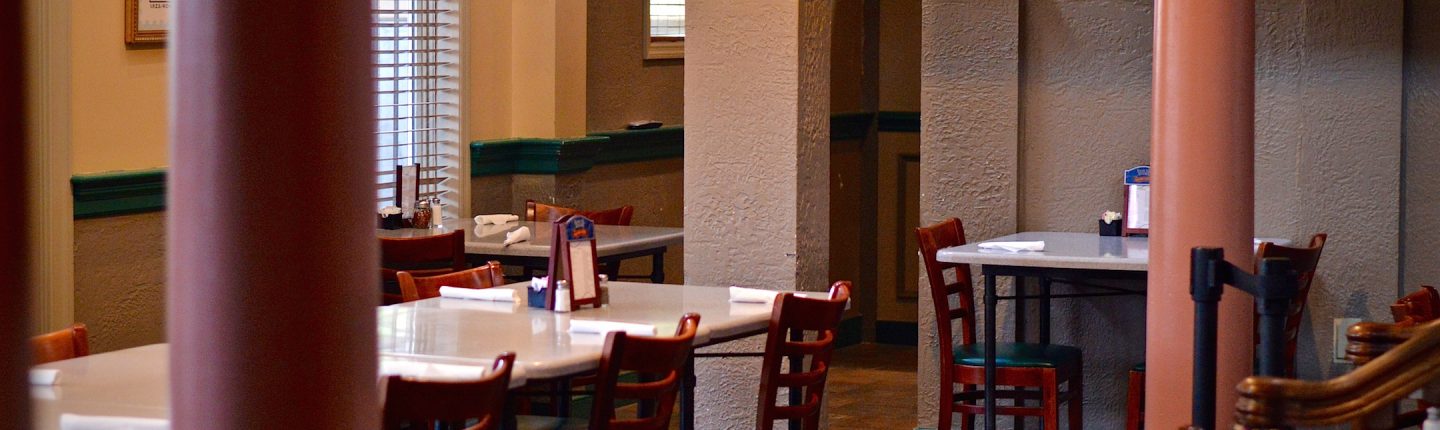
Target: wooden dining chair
[[1019, 365], [792, 318], [535, 211], [421, 256], [658, 364], [412, 288], [424, 404], [1421, 306], [1304, 261], [62, 344]]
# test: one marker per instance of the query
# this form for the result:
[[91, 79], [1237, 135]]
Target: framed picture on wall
[[146, 21]]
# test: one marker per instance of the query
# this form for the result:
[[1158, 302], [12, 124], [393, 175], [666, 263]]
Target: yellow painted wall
[[118, 95]]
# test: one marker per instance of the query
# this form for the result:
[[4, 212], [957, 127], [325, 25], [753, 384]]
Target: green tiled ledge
[[118, 193], [131, 192]]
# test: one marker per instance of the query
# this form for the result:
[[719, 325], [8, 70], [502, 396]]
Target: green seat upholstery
[[1019, 355], [1139, 367]]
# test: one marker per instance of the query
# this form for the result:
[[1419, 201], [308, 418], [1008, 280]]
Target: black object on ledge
[[1111, 228]]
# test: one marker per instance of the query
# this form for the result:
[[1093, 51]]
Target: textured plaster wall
[[968, 101], [623, 86], [756, 165], [1422, 144], [120, 280]]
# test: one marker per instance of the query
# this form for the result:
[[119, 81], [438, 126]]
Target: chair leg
[[947, 406], [1077, 401], [1050, 397], [1135, 401]]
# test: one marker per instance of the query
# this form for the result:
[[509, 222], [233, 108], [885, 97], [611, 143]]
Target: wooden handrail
[[1367, 340], [1365, 398]]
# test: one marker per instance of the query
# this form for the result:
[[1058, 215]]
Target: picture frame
[[147, 22]]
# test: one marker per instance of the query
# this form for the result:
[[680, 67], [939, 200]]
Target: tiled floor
[[872, 386]]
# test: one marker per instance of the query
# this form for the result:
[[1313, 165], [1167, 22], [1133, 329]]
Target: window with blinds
[[666, 38], [417, 97]]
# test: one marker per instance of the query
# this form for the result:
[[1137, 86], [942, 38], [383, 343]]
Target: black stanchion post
[[1276, 286], [1205, 290]]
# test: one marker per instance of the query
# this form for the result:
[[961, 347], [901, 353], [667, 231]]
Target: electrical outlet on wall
[[1341, 326]]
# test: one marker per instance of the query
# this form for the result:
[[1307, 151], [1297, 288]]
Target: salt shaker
[[437, 212], [562, 297]]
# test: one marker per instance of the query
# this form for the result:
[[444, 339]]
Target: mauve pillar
[[14, 320], [272, 248], [1202, 149]]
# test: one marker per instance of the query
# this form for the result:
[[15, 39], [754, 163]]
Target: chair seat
[[1138, 367], [534, 422], [1019, 355]]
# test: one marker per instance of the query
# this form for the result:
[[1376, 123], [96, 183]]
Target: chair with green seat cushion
[[962, 362], [1019, 355]]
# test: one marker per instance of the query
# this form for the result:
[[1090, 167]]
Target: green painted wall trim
[[904, 122], [530, 155], [118, 193], [851, 125], [639, 145]]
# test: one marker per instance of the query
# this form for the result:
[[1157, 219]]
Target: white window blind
[[666, 38], [417, 97]]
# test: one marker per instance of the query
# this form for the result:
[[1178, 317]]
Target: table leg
[[657, 266], [990, 340], [1019, 309], [1044, 311], [687, 396]]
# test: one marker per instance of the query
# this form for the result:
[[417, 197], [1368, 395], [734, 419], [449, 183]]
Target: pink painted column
[[1202, 151], [15, 322], [272, 250]]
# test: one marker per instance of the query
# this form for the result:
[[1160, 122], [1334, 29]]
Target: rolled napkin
[[1032, 246], [602, 327], [490, 294], [752, 295], [495, 219], [431, 371], [98, 422], [519, 235], [45, 377]]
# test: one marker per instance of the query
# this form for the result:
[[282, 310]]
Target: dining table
[[438, 331], [1086, 261], [616, 243]]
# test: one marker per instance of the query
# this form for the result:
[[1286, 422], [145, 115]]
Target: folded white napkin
[[1033, 246], [519, 235], [490, 294], [602, 327], [495, 219], [44, 376], [97, 422], [481, 305], [431, 371], [752, 295]]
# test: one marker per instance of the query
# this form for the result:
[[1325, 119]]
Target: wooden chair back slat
[[1364, 398], [63, 344], [414, 288], [535, 211], [421, 256], [794, 316], [659, 361], [423, 404], [1304, 260]]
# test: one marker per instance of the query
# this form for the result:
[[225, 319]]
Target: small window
[[667, 30]]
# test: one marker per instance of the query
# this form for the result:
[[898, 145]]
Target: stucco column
[[757, 165], [272, 258], [1202, 149], [14, 326]]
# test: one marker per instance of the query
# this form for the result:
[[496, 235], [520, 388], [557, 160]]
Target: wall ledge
[[118, 193]]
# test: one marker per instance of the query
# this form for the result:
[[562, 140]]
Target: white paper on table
[[495, 219], [408, 191], [98, 422], [431, 371], [486, 294], [1137, 215], [1022, 246], [481, 305], [44, 377], [602, 327], [752, 295], [582, 270]]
